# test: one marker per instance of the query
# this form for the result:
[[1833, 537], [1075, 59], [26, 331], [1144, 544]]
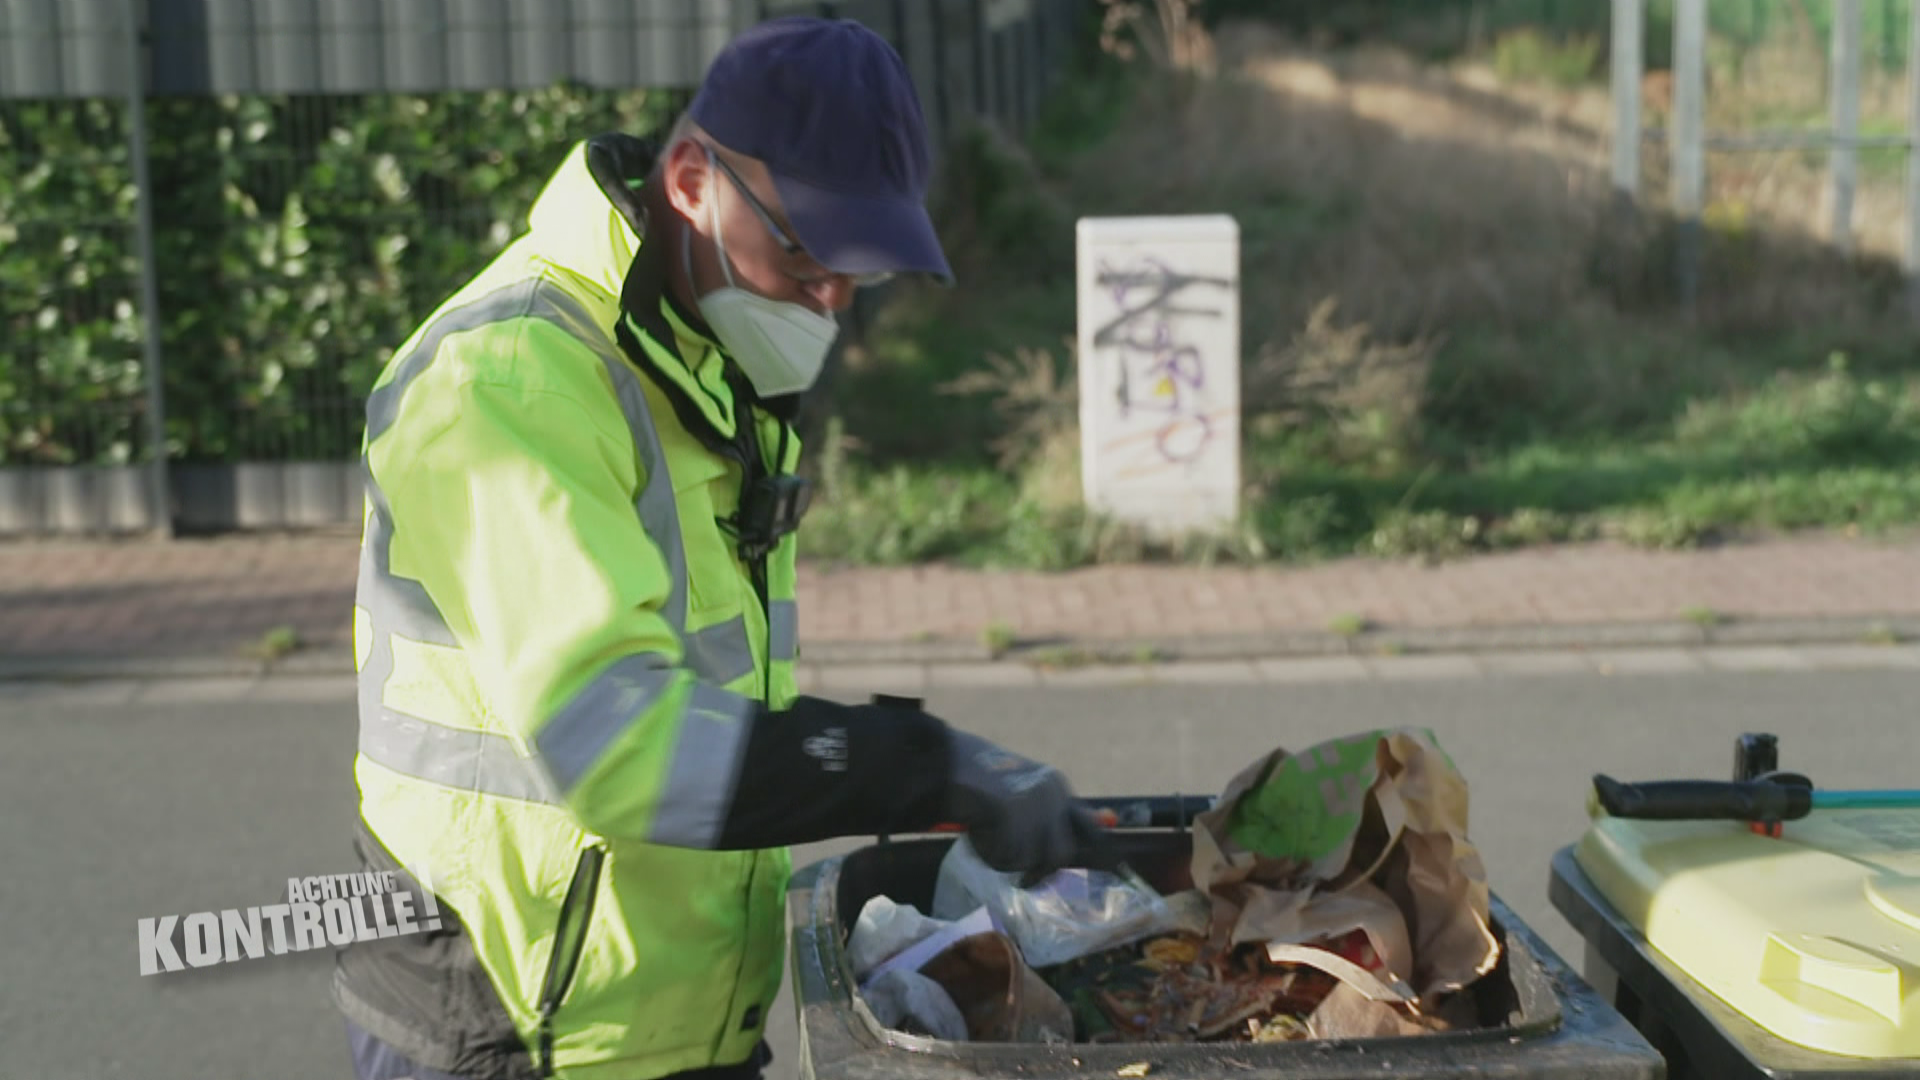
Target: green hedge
[[298, 241], [69, 326]]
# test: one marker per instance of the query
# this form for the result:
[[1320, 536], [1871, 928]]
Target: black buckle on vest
[[770, 509]]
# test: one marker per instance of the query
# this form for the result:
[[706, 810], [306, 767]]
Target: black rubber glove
[[819, 770], [1020, 815]]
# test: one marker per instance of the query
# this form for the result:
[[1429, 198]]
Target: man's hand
[[1020, 815]]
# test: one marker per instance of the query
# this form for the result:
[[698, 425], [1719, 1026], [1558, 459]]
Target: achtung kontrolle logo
[[327, 911]]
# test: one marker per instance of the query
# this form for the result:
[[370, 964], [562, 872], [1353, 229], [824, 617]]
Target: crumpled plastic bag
[[884, 930], [1072, 914], [944, 936], [1367, 832], [909, 1001]]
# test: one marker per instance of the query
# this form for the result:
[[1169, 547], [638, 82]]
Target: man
[[575, 622]]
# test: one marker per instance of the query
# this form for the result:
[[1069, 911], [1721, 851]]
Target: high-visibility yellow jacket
[[559, 647]]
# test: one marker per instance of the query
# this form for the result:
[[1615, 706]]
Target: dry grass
[[1335, 376], [1033, 400], [1454, 204], [1453, 335], [1461, 224], [1166, 33], [1445, 197]]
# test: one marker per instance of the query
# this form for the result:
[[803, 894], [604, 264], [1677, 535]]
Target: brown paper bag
[[1367, 832], [1002, 999], [1349, 1014]]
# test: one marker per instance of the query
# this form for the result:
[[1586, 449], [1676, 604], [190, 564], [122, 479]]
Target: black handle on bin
[[1699, 800], [1136, 811], [1149, 811]]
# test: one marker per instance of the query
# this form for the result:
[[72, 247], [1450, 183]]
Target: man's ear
[[688, 186]]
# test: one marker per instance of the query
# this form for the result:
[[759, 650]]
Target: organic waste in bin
[[1334, 894]]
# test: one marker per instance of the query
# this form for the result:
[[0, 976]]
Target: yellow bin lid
[[1814, 936]]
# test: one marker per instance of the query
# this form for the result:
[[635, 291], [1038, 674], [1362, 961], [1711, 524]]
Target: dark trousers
[[375, 1060]]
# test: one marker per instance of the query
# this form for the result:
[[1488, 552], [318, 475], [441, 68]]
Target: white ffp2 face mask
[[779, 346]]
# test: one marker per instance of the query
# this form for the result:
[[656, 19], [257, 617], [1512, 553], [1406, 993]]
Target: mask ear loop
[[713, 214], [686, 253]]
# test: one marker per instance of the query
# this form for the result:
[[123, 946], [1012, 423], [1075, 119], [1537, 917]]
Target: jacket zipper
[[565, 962], [755, 461], [758, 572], [744, 449], [569, 941]]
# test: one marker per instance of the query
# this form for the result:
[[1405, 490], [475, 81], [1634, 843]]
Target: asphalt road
[[116, 804]]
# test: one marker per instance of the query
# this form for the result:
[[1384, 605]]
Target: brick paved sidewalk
[[214, 597]]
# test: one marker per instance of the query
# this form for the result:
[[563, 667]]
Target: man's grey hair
[[684, 128]]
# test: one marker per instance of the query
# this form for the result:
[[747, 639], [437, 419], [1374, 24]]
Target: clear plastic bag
[[1072, 914], [884, 930], [909, 1001]]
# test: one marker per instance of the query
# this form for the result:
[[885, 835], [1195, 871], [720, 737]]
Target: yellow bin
[[1748, 955]]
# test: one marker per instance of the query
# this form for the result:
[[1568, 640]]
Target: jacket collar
[[591, 221]]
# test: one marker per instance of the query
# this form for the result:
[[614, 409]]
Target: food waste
[[1176, 989], [1291, 918]]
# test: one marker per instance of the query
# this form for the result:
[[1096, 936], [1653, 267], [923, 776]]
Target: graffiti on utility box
[[1159, 368]]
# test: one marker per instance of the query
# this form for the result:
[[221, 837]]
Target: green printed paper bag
[[1366, 832]]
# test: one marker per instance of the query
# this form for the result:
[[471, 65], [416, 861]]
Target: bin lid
[[1814, 936]]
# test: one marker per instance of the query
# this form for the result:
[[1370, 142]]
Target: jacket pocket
[[701, 494], [667, 945], [762, 954]]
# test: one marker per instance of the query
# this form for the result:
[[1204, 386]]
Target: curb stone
[[1068, 654], [921, 678]]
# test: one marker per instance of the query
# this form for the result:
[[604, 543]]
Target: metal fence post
[[942, 93], [1629, 22], [982, 61], [1912, 253], [1689, 138], [1844, 102], [1889, 13], [1043, 44], [149, 283]]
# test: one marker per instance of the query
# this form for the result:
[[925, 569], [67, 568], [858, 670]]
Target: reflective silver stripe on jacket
[[721, 653], [713, 729], [783, 630], [712, 738]]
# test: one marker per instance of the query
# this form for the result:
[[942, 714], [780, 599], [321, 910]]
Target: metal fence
[[258, 199], [1863, 38], [1697, 117]]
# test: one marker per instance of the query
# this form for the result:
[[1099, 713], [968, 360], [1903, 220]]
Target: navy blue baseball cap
[[827, 105]]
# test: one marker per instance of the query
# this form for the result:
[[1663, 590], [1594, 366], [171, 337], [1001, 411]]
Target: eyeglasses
[[788, 243]]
